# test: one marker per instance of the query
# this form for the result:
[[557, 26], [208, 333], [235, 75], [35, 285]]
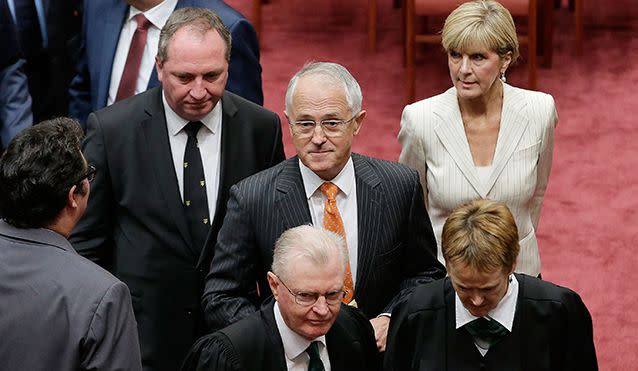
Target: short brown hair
[[481, 234], [200, 19], [482, 22]]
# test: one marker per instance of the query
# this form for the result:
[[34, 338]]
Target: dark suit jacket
[[396, 245], [552, 331], [103, 21], [254, 344], [58, 310], [135, 223], [50, 68]]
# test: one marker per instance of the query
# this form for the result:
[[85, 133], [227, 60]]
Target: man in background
[[59, 310], [120, 41], [166, 159]]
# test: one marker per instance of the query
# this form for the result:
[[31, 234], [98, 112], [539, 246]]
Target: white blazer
[[434, 143]]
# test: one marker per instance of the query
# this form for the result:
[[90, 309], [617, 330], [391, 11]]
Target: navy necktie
[[195, 199], [315, 363], [28, 26]]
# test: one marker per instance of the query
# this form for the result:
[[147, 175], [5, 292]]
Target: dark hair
[[38, 169]]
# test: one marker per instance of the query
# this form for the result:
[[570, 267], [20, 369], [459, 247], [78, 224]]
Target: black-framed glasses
[[309, 298], [331, 127], [89, 175]]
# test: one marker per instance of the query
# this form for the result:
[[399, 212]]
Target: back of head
[[481, 234], [307, 242], [38, 169], [199, 19], [333, 73], [481, 23]]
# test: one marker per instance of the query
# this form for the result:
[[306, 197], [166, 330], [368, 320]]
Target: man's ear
[[273, 283], [158, 66], [72, 197], [358, 122]]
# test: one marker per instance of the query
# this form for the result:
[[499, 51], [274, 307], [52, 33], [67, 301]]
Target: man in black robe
[[485, 317]]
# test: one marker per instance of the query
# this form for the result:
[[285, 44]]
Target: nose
[[318, 135], [198, 91], [321, 306], [477, 300], [465, 65]]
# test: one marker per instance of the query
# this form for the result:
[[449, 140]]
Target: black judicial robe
[[552, 330], [254, 344]]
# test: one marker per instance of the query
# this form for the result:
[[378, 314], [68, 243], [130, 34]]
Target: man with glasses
[[377, 206], [306, 326], [58, 310]]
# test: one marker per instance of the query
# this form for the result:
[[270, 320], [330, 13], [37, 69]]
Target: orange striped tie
[[333, 223]]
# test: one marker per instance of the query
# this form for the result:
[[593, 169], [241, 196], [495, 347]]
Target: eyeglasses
[[309, 298], [89, 175], [331, 127]]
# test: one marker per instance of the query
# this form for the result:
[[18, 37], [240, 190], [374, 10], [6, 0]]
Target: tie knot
[[330, 190], [192, 128], [142, 22], [483, 328]]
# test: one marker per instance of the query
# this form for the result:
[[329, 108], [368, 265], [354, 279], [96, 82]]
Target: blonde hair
[[482, 22], [481, 234]]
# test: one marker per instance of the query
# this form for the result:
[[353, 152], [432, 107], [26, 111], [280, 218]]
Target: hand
[[380, 325]]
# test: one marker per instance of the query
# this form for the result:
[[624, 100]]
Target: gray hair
[[199, 19], [307, 242], [333, 72]]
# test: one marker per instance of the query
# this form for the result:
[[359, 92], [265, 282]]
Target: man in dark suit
[[107, 33], [59, 310], [379, 209], [166, 159], [15, 100], [306, 326], [49, 34], [485, 317]]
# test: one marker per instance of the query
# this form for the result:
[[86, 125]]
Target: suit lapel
[[449, 130], [369, 218], [110, 37], [514, 122], [291, 199], [161, 158]]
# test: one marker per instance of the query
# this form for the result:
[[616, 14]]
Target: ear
[[506, 60], [513, 268], [273, 283], [288, 119], [72, 197], [358, 122], [158, 66]]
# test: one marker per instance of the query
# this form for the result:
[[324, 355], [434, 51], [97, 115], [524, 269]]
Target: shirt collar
[[294, 344], [344, 180], [175, 124], [157, 15], [503, 313]]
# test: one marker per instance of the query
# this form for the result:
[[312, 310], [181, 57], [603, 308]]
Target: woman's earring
[[502, 77]]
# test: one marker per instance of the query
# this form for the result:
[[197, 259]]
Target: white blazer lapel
[[514, 121], [449, 130]]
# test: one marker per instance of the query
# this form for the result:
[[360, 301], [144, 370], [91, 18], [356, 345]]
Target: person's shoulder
[[536, 289], [228, 14], [245, 107], [448, 96], [266, 179], [531, 96], [125, 113], [383, 168]]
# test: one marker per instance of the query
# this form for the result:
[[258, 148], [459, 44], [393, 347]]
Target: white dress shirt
[[209, 143], [295, 346], [503, 313], [346, 203], [158, 16]]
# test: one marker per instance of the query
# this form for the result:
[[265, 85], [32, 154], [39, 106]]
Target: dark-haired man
[[59, 310]]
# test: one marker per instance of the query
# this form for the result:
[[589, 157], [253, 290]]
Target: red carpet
[[589, 224]]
